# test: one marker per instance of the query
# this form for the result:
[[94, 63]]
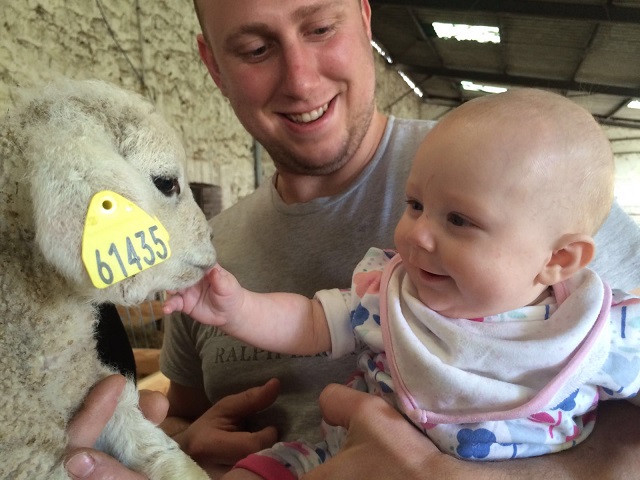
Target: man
[[300, 76]]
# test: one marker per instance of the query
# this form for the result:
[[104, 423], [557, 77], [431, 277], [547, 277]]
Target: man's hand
[[382, 444], [81, 461], [217, 437]]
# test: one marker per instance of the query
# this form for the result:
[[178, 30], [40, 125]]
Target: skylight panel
[[460, 31], [381, 51], [411, 84], [474, 87], [634, 104]]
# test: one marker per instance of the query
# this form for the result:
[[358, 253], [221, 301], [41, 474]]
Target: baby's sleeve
[[353, 315], [335, 303]]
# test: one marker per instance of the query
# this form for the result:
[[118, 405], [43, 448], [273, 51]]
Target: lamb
[[63, 145]]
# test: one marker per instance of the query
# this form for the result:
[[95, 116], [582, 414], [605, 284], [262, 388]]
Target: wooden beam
[[559, 10]]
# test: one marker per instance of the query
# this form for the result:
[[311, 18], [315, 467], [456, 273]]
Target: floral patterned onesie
[[517, 384]]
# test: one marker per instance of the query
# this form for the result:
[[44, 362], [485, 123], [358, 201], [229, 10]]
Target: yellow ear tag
[[120, 239]]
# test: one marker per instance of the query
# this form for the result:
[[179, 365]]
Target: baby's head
[[504, 197]]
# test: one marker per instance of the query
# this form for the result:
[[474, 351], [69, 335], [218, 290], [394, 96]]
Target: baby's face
[[473, 237]]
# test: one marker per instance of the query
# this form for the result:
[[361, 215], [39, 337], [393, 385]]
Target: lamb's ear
[[64, 179]]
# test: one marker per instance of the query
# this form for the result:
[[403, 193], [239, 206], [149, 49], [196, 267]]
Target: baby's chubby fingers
[[221, 280], [209, 300], [180, 300], [223, 285], [174, 302]]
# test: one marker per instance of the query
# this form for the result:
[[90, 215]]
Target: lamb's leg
[[142, 446]]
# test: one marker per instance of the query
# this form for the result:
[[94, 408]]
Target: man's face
[[298, 73]]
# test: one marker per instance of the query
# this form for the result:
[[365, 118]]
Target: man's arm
[[382, 444]]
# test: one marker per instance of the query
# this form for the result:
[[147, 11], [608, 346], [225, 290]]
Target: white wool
[[62, 144]]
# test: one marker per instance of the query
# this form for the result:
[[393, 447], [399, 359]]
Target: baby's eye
[[458, 220], [414, 205]]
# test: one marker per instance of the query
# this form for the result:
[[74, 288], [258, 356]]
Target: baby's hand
[[214, 300]]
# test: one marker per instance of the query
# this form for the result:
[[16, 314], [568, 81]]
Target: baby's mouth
[[432, 276], [307, 117]]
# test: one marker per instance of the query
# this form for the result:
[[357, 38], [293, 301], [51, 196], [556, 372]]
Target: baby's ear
[[573, 252]]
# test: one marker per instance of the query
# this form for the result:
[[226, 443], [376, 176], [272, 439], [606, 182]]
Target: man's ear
[[365, 9], [207, 57], [574, 251]]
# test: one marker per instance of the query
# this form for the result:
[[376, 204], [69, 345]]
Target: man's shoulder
[[255, 204], [404, 135], [415, 124], [410, 127]]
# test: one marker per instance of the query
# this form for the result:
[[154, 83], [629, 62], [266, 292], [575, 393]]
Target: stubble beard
[[287, 160]]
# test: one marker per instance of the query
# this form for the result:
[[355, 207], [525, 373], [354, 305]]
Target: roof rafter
[[574, 11], [496, 78]]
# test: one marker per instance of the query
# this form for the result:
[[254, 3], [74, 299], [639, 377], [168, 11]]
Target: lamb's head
[[77, 139]]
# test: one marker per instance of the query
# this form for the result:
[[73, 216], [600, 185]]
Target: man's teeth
[[309, 116]]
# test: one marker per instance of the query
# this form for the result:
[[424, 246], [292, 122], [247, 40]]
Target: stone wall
[[150, 47]]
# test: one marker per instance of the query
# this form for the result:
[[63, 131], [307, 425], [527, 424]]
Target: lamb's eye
[[168, 186]]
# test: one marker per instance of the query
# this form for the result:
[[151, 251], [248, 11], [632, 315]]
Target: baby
[[484, 329]]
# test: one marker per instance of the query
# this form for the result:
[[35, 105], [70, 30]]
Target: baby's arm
[[277, 322]]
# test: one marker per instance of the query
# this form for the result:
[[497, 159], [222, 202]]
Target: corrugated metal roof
[[588, 50]]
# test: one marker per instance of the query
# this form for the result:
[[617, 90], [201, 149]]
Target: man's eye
[[321, 30], [253, 51], [458, 220], [258, 52]]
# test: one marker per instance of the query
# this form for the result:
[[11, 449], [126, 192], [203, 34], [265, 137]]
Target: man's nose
[[300, 70]]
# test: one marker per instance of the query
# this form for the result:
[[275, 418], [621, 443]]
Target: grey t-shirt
[[303, 248]]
